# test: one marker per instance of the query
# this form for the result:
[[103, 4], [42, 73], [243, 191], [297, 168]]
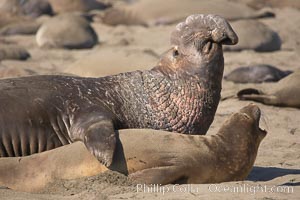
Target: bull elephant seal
[[150, 156], [286, 92], [256, 74], [181, 94]]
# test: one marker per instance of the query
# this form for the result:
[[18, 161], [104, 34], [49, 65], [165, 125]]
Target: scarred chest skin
[[160, 101]]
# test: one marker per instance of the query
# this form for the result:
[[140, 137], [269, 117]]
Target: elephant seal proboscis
[[180, 94], [286, 92], [150, 156]]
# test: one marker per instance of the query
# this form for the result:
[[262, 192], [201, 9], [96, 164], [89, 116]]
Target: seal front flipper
[[100, 140], [257, 95], [97, 133]]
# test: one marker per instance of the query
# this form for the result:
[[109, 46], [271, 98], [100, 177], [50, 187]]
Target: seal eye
[[175, 53], [246, 116]]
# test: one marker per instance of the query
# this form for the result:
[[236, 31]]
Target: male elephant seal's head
[[197, 46]]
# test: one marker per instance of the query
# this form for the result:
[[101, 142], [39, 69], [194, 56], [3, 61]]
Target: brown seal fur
[[150, 156], [286, 92], [180, 95]]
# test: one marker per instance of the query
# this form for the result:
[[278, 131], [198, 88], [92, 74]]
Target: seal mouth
[[205, 46], [258, 118]]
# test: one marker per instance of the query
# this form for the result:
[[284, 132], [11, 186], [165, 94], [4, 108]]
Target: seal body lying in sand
[[180, 95], [13, 53], [150, 156], [256, 74], [286, 92]]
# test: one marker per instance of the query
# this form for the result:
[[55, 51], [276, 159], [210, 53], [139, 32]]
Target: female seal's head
[[247, 123], [252, 115], [197, 45]]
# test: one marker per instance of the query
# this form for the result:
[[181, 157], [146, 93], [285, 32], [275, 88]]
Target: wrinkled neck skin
[[183, 102], [195, 94]]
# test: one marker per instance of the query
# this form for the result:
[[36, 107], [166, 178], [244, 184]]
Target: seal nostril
[[226, 41], [175, 53]]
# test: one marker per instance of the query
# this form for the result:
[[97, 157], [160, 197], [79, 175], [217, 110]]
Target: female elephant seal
[[150, 156], [181, 94], [286, 92]]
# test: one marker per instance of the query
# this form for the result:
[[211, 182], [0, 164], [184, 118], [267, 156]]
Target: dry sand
[[278, 159]]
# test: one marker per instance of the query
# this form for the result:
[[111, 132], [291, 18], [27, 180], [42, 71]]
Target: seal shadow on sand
[[269, 173]]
